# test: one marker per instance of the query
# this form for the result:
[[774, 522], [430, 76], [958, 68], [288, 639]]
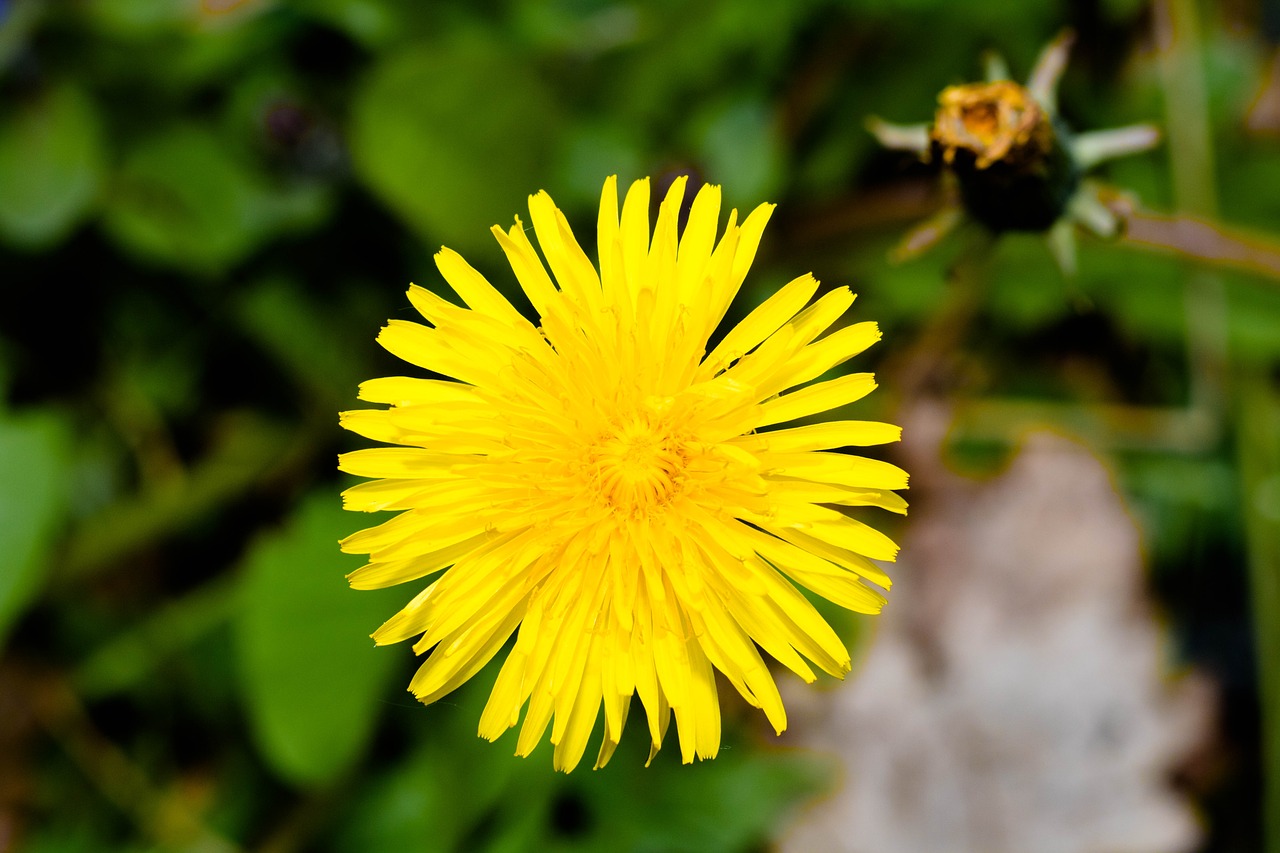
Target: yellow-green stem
[[1259, 465]]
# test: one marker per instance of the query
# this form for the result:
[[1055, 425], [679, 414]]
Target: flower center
[[637, 468]]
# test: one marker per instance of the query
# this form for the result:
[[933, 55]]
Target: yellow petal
[[820, 397], [461, 656], [840, 468], [476, 291], [763, 321], [569, 264], [406, 391], [822, 436], [528, 267]]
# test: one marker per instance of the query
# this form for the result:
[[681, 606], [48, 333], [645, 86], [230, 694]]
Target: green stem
[[1105, 426], [1259, 465], [247, 453], [924, 362], [133, 655], [162, 814]]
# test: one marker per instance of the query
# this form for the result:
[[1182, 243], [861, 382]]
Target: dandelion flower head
[[638, 511]]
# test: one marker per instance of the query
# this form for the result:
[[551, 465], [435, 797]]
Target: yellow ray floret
[[637, 511]]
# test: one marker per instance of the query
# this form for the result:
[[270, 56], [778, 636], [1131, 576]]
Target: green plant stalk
[[1259, 465], [1191, 155], [133, 655], [922, 364], [249, 453]]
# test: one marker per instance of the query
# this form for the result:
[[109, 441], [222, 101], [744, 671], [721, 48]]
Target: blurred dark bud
[[301, 139], [1014, 165], [286, 124]]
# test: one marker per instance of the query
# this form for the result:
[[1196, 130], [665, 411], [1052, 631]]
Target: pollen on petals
[[637, 511]]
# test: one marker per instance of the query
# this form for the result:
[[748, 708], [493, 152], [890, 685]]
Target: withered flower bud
[[1014, 163], [1008, 154]]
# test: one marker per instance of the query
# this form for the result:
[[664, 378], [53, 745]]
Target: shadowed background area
[[209, 207]]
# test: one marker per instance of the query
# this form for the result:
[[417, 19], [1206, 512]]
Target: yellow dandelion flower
[[605, 487]]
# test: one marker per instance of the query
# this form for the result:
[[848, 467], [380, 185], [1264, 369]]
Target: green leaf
[[592, 151], [742, 149], [183, 200], [35, 458], [453, 137], [51, 166], [311, 677]]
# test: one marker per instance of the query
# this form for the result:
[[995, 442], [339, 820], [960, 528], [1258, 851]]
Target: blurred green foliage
[[51, 166], [34, 453], [312, 680], [208, 207], [409, 132]]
